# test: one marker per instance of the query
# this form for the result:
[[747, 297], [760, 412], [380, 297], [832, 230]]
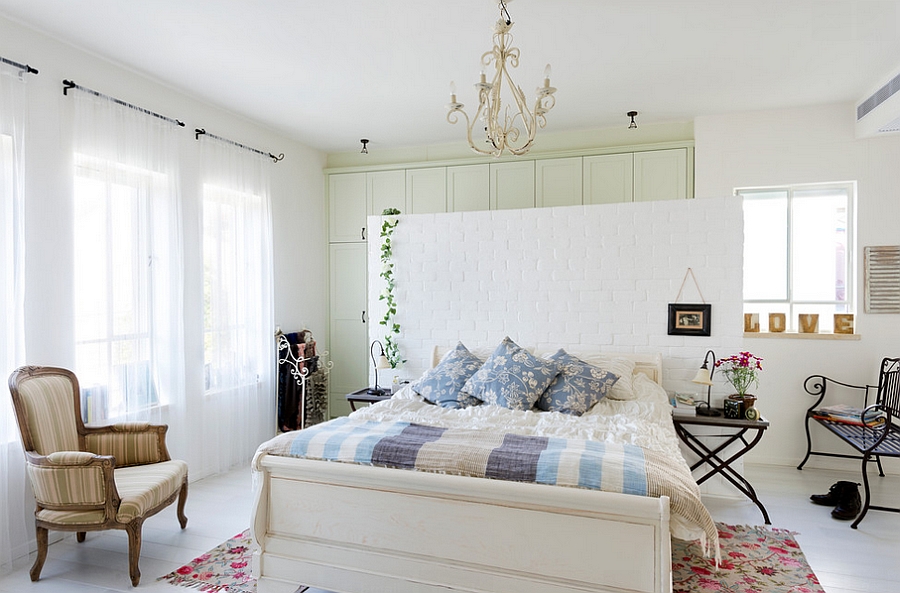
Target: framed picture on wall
[[687, 319]]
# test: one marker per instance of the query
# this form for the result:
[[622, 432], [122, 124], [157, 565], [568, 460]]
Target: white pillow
[[621, 367]]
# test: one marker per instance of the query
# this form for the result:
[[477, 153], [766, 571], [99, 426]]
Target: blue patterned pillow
[[442, 384], [577, 388], [512, 377]]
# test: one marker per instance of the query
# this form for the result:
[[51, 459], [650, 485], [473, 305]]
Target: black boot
[[833, 498], [849, 504]]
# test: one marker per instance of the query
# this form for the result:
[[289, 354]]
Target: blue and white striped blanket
[[478, 453]]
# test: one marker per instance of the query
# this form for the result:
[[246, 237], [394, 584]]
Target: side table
[[686, 427], [362, 396]]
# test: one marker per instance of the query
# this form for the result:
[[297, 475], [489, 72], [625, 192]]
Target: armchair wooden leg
[[134, 550], [41, 537], [79, 537], [182, 498]]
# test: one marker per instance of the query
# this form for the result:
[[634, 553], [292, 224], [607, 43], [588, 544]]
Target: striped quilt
[[624, 468]]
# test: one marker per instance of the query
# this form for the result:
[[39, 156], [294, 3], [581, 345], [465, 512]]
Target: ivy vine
[[391, 348]]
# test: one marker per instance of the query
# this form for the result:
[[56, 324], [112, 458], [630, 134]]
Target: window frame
[[850, 264], [110, 173], [212, 193]]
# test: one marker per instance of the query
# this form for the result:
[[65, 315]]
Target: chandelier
[[512, 131]]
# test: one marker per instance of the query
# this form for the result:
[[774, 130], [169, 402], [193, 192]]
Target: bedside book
[[683, 405]]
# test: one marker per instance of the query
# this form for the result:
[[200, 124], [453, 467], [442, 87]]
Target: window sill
[[799, 336]]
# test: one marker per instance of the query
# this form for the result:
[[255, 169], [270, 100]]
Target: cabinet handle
[[362, 233], [363, 318]]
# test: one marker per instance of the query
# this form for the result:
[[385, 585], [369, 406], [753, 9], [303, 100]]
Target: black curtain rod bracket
[[202, 132], [23, 67], [69, 84]]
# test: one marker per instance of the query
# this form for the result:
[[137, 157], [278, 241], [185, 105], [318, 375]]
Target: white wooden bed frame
[[361, 529]]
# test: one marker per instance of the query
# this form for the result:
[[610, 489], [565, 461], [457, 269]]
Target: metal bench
[[874, 434]]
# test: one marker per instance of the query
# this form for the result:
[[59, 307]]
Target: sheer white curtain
[[128, 267], [239, 370], [15, 501]]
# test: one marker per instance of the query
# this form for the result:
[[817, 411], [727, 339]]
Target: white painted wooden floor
[[845, 560]]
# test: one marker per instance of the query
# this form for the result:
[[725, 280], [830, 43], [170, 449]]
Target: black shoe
[[849, 505], [833, 498]]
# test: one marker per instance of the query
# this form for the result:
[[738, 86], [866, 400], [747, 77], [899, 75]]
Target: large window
[[233, 259], [798, 251], [113, 286]]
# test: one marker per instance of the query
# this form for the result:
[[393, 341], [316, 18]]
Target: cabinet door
[[660, 175], [468, 188], [426, 191], [346, 207], [608, 178], [557, 182], [348, 329], [512, 185], [386, 189]]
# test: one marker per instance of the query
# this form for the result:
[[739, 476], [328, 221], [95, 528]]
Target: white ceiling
[[330, 72]]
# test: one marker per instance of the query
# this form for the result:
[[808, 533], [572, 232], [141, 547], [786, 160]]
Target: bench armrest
[[817, 386]]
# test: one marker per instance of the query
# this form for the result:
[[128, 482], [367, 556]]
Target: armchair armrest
[[131, 443], [73, 480]]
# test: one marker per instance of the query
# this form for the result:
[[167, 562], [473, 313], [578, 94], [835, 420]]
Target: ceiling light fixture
[[513, 133], [632, 125], [365, 148]]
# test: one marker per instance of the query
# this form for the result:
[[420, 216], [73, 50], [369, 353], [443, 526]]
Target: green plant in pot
[[742, 371]]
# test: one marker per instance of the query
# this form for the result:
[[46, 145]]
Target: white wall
[[812, 144], [297, 201], [548, 277]]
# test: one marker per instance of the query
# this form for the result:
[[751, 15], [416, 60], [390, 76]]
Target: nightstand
[[689, 428], [362, 396]]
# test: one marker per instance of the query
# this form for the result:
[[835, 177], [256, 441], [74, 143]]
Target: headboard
[[649, 364]]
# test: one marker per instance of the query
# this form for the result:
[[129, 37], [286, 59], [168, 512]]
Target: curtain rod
[[201, 132], [68, 84], [23, 67]]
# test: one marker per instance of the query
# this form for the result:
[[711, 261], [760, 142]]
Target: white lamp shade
[[702, 377], [382, 363]]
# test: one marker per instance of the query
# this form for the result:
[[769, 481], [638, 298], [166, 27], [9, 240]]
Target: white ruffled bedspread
[[645, 422]]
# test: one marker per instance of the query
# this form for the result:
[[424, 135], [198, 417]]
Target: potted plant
[[742, 371]]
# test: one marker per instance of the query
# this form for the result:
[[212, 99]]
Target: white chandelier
[[504, 131]]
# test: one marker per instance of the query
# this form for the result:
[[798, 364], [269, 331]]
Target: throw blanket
[[486, 454]]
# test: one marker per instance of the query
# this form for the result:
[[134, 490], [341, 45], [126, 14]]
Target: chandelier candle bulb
[[509, 124]]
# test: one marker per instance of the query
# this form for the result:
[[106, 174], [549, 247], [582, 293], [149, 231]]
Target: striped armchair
[[90, 478]]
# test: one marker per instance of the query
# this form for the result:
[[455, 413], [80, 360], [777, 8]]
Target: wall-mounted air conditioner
[[879, 112]]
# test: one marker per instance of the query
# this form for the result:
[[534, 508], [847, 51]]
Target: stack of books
[[846, 414], [683, 404]]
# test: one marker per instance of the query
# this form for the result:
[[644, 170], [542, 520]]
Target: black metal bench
[[875, 434]]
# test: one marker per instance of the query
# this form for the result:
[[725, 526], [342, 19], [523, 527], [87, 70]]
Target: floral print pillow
[[512, 377], [442, 385], [577, 388]]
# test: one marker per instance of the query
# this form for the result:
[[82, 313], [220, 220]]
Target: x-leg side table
[[711, 456]]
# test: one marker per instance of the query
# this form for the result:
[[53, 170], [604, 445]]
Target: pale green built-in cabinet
[[614, 177]]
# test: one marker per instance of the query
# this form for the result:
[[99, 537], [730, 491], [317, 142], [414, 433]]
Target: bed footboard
[[361, 529]]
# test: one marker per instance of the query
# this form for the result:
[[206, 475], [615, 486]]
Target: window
[[798, 251], [232, 297], [112, 286]]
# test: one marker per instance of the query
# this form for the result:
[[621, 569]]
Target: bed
[[357, 527]]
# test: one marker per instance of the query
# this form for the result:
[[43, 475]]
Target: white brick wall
[[549, 277]]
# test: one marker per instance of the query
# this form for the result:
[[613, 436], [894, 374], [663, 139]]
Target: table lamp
[[704, 377], [380, 364]]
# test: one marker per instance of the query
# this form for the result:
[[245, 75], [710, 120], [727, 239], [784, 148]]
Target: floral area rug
[[754, 560], [224, 569]]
